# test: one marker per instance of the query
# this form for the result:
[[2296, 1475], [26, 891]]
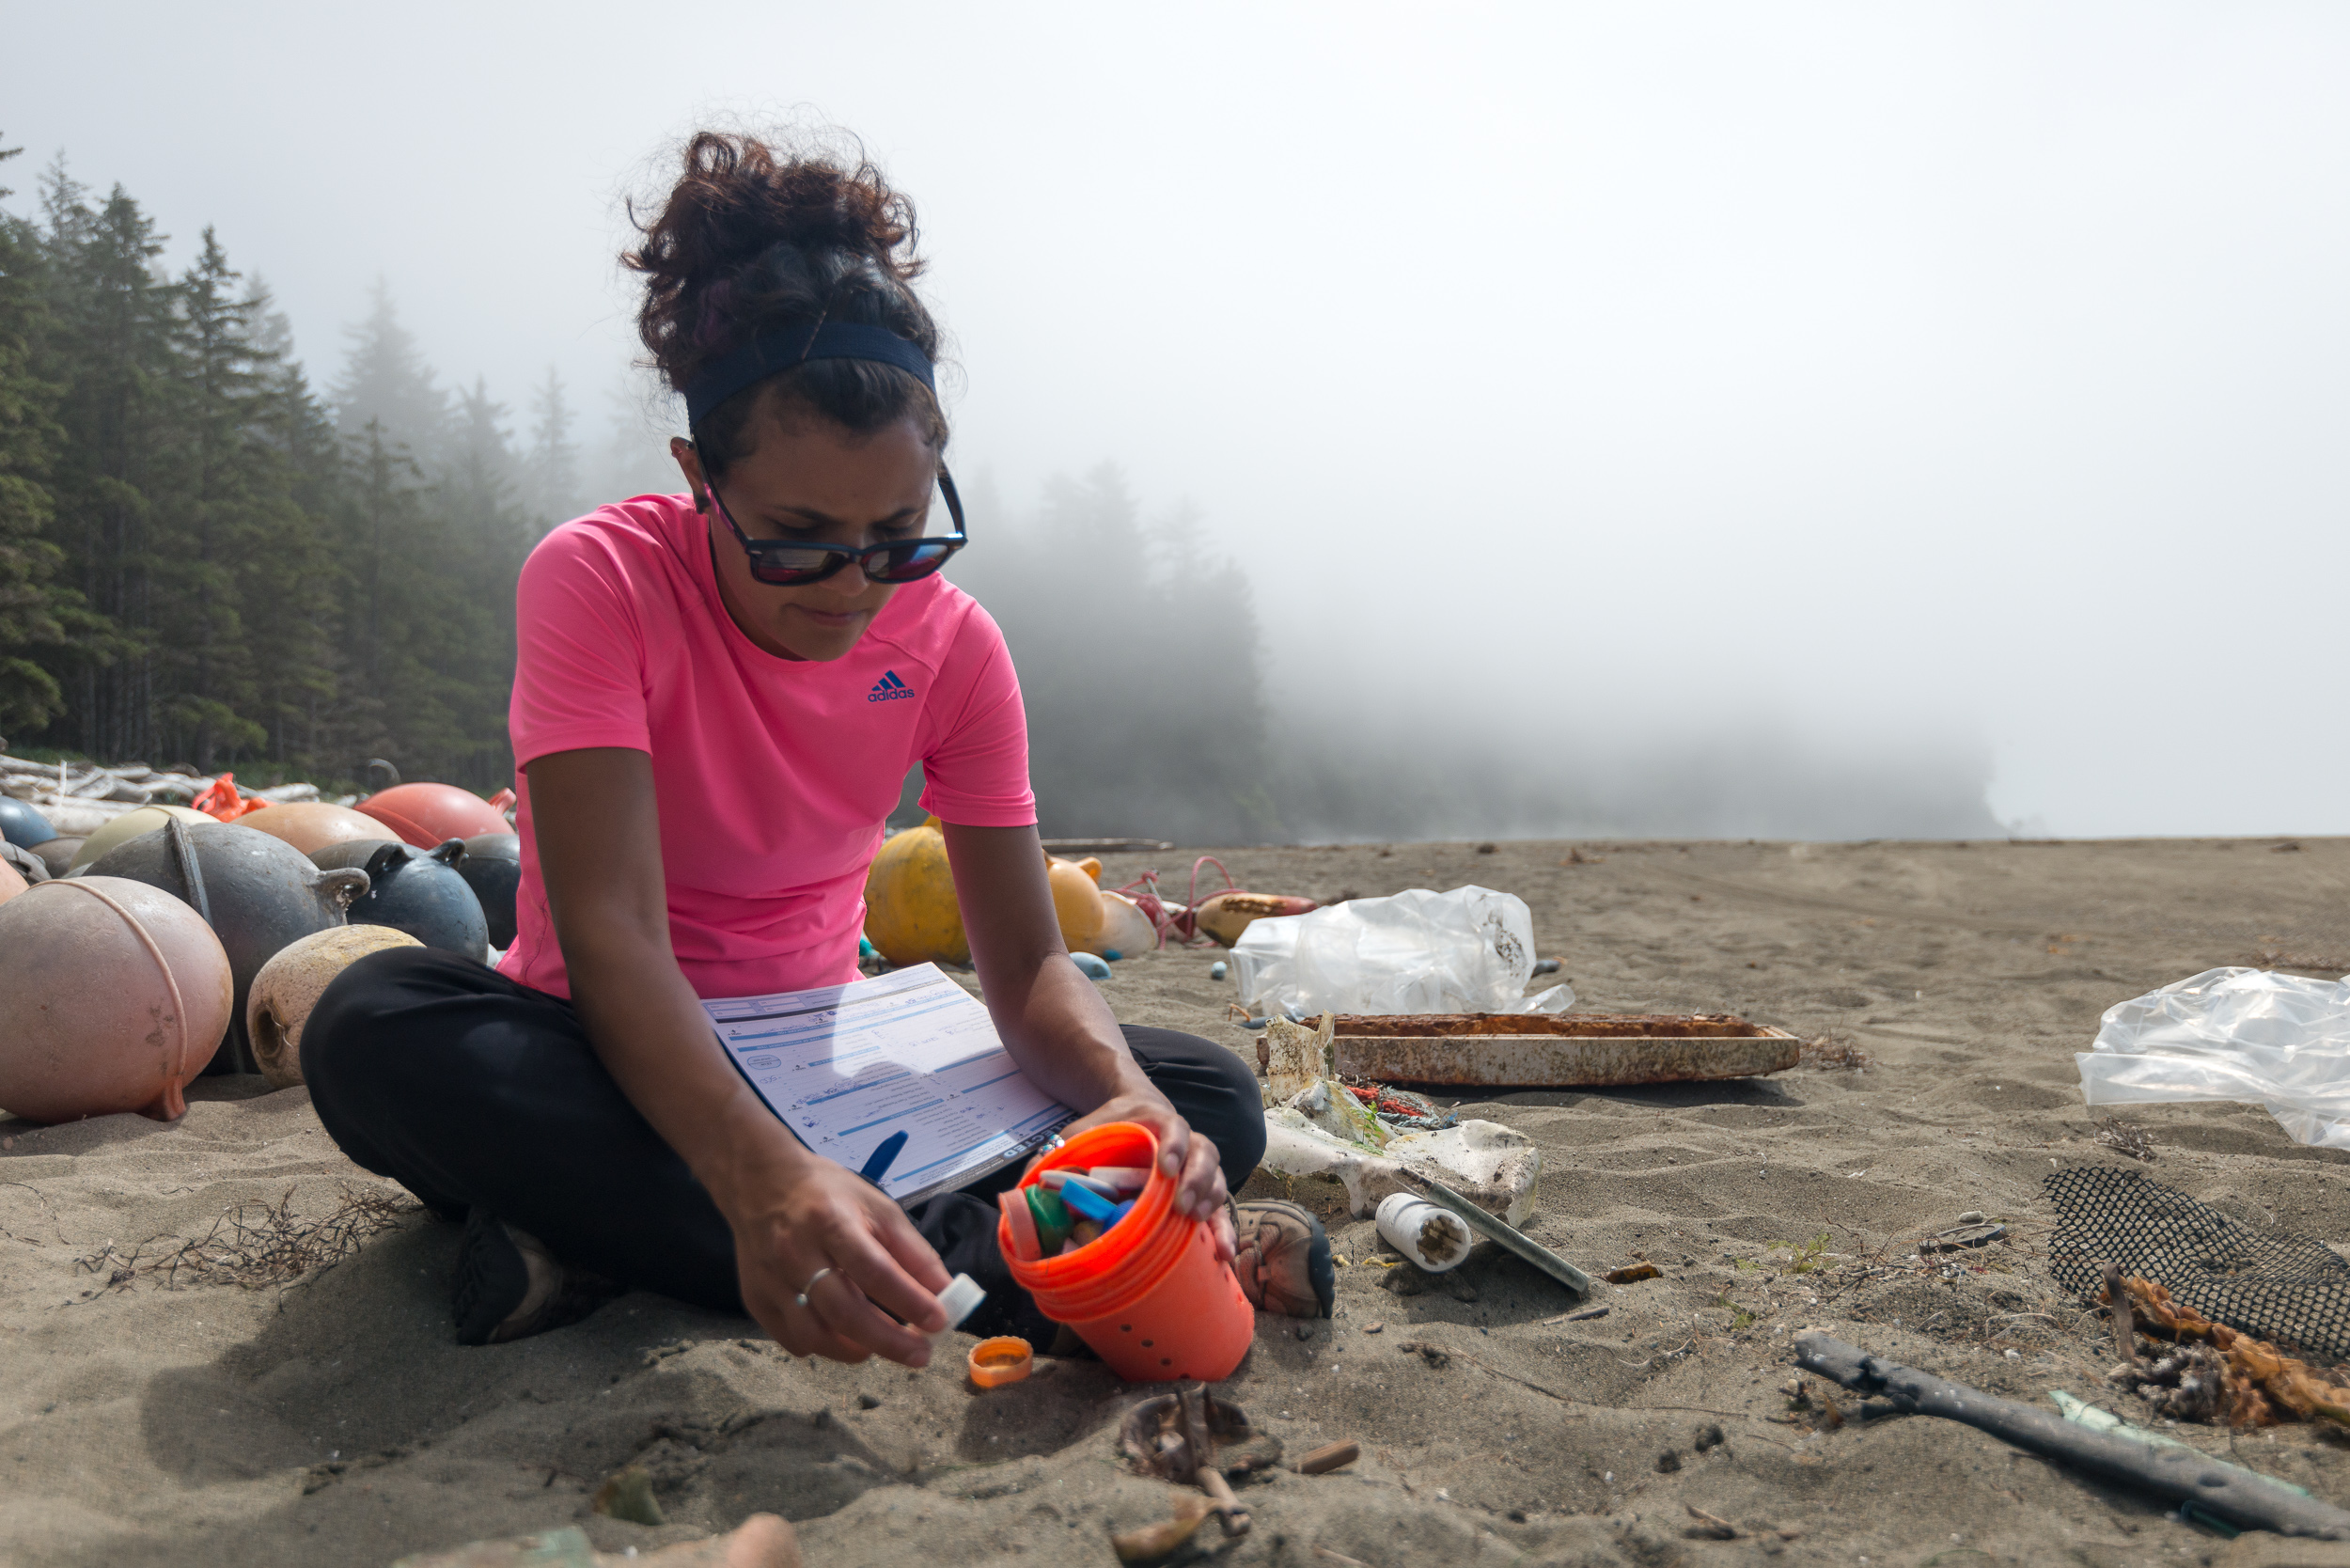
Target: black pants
[[469, 1089]]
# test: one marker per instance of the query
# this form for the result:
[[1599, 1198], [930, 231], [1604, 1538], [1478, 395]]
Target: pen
[[877, 1165]]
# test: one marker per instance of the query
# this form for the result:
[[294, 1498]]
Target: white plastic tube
[[1429, 1234]]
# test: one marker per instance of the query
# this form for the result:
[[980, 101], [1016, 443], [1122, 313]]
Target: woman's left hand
[[1185, 1158], [1053, 1021]]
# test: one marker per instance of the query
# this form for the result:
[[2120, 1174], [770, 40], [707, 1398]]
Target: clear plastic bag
[[1468, 950], [2279, 1040]]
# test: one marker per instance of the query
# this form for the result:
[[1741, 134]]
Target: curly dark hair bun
[[752, 240]]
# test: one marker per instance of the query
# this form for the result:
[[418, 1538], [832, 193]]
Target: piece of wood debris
[[1330, 1456], [1711, 1526], [1153, 1542]]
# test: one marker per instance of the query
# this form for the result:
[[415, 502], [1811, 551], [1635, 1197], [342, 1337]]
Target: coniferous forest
[[209, 560], [206, 558]]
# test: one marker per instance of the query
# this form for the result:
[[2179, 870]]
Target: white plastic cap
[[961, 1299]]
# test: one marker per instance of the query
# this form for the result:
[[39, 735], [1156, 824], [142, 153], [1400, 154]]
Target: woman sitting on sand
[[702, 785]]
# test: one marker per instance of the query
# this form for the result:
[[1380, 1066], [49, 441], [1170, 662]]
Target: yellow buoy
[[910, 916], [1076, 901]]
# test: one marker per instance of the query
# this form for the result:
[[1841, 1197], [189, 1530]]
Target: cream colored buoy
[[290, 985], [129, 825], [1126, 930]]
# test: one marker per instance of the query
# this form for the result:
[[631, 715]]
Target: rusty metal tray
[[1557, 1050]]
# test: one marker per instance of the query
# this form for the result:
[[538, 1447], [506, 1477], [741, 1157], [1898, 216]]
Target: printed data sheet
[[848, 1066]]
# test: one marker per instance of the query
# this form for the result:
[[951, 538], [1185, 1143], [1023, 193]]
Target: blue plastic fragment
[[1084, 1200], [1091, 967], [1112, 954]]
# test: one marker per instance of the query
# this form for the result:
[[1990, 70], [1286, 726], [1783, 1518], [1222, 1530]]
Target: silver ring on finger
[[800, 1299]]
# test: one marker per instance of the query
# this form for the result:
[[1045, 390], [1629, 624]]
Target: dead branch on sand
[[2177, 1475], [253, 1244]]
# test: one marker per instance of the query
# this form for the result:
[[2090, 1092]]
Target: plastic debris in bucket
[[1149, 1296]]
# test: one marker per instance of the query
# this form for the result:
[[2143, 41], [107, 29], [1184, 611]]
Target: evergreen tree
[[553, 466], [36, 610], [427, 681], [386, 382], [634, 459], [293, 580], [232, 486], [1146, 713], [491, 535], [114, 352]]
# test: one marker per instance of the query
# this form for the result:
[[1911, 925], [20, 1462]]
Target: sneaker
[[509, 1285], [1283, 1260]]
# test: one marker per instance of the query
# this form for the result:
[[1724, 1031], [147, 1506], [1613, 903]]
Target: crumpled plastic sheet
[[2249, 1035], [1467, 950]]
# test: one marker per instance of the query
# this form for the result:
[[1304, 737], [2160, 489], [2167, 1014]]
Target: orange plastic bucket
[[1149, 1296]]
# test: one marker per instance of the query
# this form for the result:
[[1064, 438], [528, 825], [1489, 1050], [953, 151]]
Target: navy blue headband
[[763, 355]]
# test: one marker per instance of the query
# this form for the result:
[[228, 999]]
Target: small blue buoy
[[1091, 967], [1218, 970]]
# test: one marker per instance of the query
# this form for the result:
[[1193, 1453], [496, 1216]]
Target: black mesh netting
[[2271, 1284]]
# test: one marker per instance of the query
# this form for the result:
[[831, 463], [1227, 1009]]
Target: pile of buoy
[[145, 940]]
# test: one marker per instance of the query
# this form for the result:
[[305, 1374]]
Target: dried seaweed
[[2218, 1375], [253, 1244], [1828, 1054]]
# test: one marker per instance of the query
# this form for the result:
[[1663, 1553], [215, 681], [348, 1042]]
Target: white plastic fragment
[[960, 1299]]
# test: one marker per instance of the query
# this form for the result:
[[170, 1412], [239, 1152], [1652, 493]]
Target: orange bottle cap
[[999, 1361]]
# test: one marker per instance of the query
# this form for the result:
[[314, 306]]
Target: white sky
[[1962, 376]]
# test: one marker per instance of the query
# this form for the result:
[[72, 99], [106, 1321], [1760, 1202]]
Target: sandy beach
[[148, 1415]]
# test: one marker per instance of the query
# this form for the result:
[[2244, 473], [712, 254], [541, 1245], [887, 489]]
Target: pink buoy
[[119, 994], [430, 814]]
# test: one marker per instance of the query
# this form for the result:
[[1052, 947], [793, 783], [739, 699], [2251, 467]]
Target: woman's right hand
[[791, 1211], [794, 1214]]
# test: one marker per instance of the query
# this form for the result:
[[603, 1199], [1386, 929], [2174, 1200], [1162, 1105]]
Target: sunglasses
[[785, 563]]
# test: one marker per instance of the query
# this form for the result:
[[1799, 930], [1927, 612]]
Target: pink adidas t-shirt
[[773, 775]]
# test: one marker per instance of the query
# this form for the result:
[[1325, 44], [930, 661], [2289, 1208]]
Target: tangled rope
[[1175, 922]]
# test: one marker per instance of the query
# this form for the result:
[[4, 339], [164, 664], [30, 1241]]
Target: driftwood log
[[2179, 1476]]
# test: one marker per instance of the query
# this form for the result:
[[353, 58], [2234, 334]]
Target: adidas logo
[[889, 689]]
